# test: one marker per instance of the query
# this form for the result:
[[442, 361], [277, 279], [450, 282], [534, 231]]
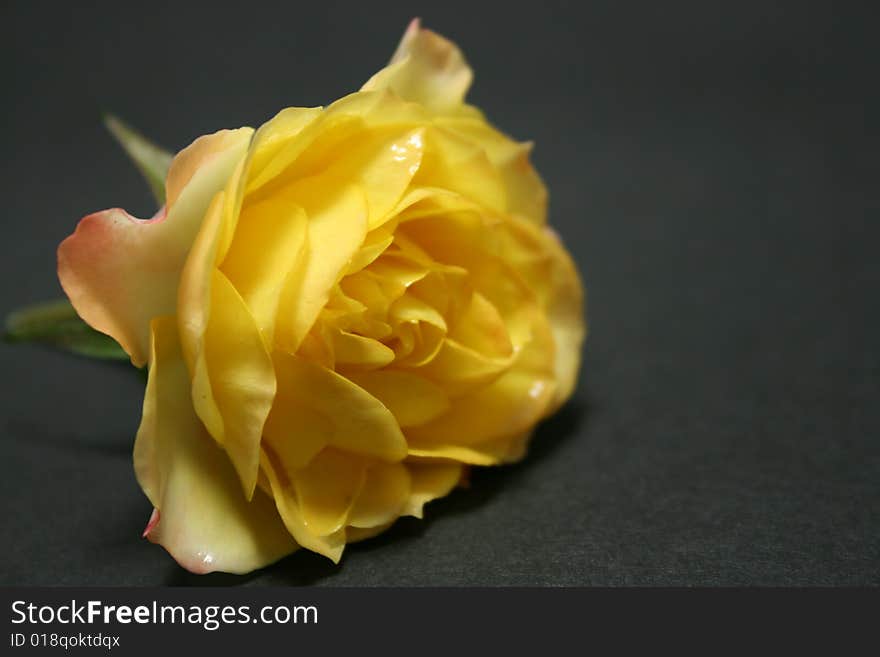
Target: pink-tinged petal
[[427, 69], [202, 517], [200, 154], [151, 523], [119, 272], [116, 278]]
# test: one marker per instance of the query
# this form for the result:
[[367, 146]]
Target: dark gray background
[[712, 167]]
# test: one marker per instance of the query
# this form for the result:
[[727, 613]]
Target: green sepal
[[152, 161], [56, 324]]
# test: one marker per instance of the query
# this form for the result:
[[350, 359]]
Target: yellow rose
[[339, 311]]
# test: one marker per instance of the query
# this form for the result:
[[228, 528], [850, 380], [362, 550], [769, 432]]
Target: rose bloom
[[340, 312]]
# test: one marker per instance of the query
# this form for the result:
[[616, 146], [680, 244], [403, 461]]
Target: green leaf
[[56, 324], [152, 161]]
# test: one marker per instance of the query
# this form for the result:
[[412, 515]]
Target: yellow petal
[[337, 224], [510, 405], [241, 378], [426, 342], [411, 398], [426, 200], [508, 449], [356, 351], [233, 383], [194, 291], [459, 369], [205, 522], [412, 309], [204, 152], [481, 327], [472, 241], [565, 311], [513, 403], [332, 545], [426, 68], [120, 272], [374, 245], [462, 167], [264, 255], [421, 329], [278, 139], [371, 292], [384, 494], [382, 164], [346, 313], [378, 110], [525, 191], [355, 534], [295, 432], [366, 427], [317, 347], [291, 136], [538, 255], [430, 481], [395, 274], [350, 145], [327, 488]]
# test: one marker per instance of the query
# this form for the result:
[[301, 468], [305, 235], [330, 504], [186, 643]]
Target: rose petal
[[205, 522], [510, 405], [481, 327], [459, 369], [277, 140], [365, 427], [460, 166], [240, 375], [331, 545], [326, 490], [411, 398], [120, 272], [385, 492], [264, 254], [381, 161], [371, 140], [337, 222], [426, 68], [508, 449], [359, 352], [537, 253], [429, 481], [525, 191]]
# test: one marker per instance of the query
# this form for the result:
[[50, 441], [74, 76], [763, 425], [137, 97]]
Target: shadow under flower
[[304, 568]]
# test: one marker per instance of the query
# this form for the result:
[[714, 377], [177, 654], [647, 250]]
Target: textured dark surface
[[714, 172]]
